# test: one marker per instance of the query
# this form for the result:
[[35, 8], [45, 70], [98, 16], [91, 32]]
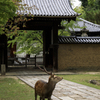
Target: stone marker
[[3, 69]]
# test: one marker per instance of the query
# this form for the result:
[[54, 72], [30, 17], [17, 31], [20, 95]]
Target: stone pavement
[[65, 90]]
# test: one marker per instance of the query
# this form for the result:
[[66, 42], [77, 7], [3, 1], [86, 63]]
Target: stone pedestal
[[3, 69]]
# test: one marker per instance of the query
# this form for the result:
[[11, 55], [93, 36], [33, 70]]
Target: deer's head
[[54, 78]]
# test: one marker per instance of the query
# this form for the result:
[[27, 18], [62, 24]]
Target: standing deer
[[45, 89]]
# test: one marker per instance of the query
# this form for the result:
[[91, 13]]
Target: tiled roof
[[46, 8], [73, 39], [89, 26]]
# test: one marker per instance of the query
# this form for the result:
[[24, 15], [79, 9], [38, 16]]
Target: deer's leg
[[35, 95], [41, 98]]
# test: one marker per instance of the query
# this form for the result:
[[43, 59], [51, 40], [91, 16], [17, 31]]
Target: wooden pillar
[[50, 47], [3, 65], [26, 61], [35, 61], [6, 54], [3, 52], [55, 45], [0, 53], [46, 46]]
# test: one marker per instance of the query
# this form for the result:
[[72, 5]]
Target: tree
[[92, 3], [92, 11], [84, 3], [69, 27], [7, 10], [29, 42]]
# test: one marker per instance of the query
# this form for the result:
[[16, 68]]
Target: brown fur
[[45, 89]]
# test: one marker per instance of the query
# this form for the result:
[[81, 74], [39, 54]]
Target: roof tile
[[73, 39], [48, 8]]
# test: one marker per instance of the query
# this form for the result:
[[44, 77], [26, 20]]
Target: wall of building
[[79, 57]]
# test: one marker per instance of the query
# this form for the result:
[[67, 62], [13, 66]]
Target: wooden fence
[[19, 61]]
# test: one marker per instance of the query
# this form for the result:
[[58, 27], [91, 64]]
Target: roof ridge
[[97, 25]]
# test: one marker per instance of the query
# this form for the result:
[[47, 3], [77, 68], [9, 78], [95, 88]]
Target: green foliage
[[7, 10], [69, 27], [84, 2], [8, 13], [92, 15], [90, 3], [79, 9], [90, 11], [30, 42], [94, 4]]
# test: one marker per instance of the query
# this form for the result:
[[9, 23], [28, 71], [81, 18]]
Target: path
[[65, 90]]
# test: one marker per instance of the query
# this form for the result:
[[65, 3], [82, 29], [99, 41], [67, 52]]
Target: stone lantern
[[84, 32]]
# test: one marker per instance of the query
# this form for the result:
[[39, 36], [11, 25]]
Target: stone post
[[3, 69]]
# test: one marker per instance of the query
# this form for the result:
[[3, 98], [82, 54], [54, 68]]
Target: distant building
[[93, 29]]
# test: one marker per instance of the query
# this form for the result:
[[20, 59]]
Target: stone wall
[[79, 57]]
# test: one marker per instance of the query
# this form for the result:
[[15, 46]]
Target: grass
[[83, 79], [12, 89]]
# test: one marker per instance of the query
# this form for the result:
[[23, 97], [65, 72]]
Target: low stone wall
[[79, 57]]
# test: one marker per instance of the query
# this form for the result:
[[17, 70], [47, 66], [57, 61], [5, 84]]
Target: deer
[[45, 89]]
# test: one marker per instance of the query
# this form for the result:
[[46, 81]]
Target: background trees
[[84, 3], [91, 10]]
